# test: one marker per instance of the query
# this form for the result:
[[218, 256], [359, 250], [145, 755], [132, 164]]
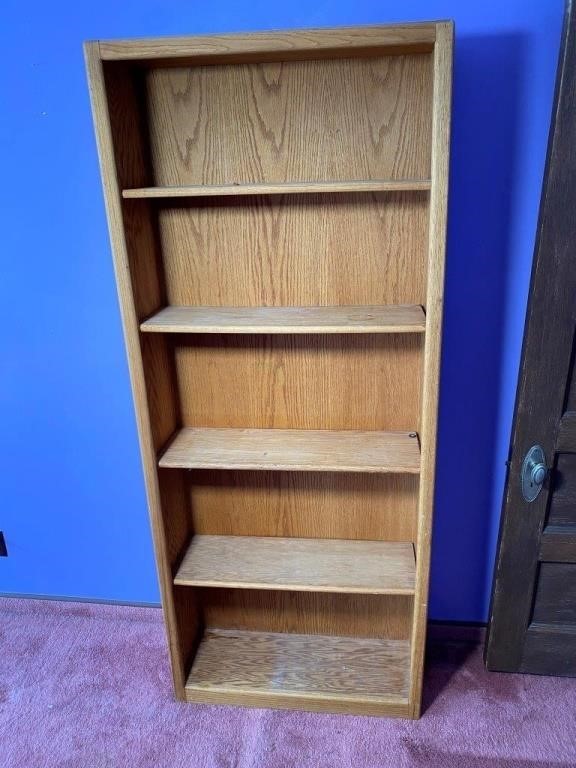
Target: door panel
[[558, 544], [555, 601], [532, 624], [563, 491], [549, 650]]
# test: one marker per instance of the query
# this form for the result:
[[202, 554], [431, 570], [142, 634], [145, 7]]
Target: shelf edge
[[305, 187]]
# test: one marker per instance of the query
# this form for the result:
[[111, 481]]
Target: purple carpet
[[88, 685]]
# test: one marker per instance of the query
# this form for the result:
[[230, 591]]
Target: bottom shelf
[[312, 672]]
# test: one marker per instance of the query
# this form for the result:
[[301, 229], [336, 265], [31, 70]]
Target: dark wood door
[[532, 624]]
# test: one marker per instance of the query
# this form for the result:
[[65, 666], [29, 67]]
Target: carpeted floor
[[88, 685]]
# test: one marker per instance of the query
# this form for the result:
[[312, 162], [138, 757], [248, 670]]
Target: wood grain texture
[[142, 247], [441, 115], [307, 671], [566, 438], [314, 613], [308, 565], [285, 43], [561, 506], [543, 395], [309, 121], [112, 110], [558, 544], [293, 450], [333, 505], [302, 250], [551, 649], [311, 169], [369, 381], [141, 254], [555, 600], [407, 318], [286, 188]]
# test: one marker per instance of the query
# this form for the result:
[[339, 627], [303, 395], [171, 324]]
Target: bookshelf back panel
[[317, 120], [371, 381], [296, 250], [303, 504], [382, 616]]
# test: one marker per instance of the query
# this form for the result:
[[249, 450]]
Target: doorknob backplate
[[534, 472]]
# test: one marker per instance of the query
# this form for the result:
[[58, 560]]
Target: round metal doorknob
[[533, 473], [538, 473]]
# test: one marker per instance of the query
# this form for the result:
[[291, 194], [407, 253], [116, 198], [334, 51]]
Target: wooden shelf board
[[302, 565], [315, 672], [286, 188], [293, 450], [409, 318]]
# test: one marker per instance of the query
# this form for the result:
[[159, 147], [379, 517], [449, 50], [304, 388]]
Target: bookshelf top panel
[[419, 37]]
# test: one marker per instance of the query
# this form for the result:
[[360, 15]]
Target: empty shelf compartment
[[314, 672]]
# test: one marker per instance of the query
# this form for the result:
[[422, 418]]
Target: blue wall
[[72, 501]]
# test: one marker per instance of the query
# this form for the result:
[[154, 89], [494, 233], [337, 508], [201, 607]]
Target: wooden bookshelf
[[277, 210]]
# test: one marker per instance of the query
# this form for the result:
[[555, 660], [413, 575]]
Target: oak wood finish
[[285, 188], [293, 450], [277, 207], [288, 320], [300, 381], [434, 309], [110, 124], [296, 250], [314, 613], [315, 565], [308, 121], [334, 505], [289, 670], [284, 45], [341, 615]]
